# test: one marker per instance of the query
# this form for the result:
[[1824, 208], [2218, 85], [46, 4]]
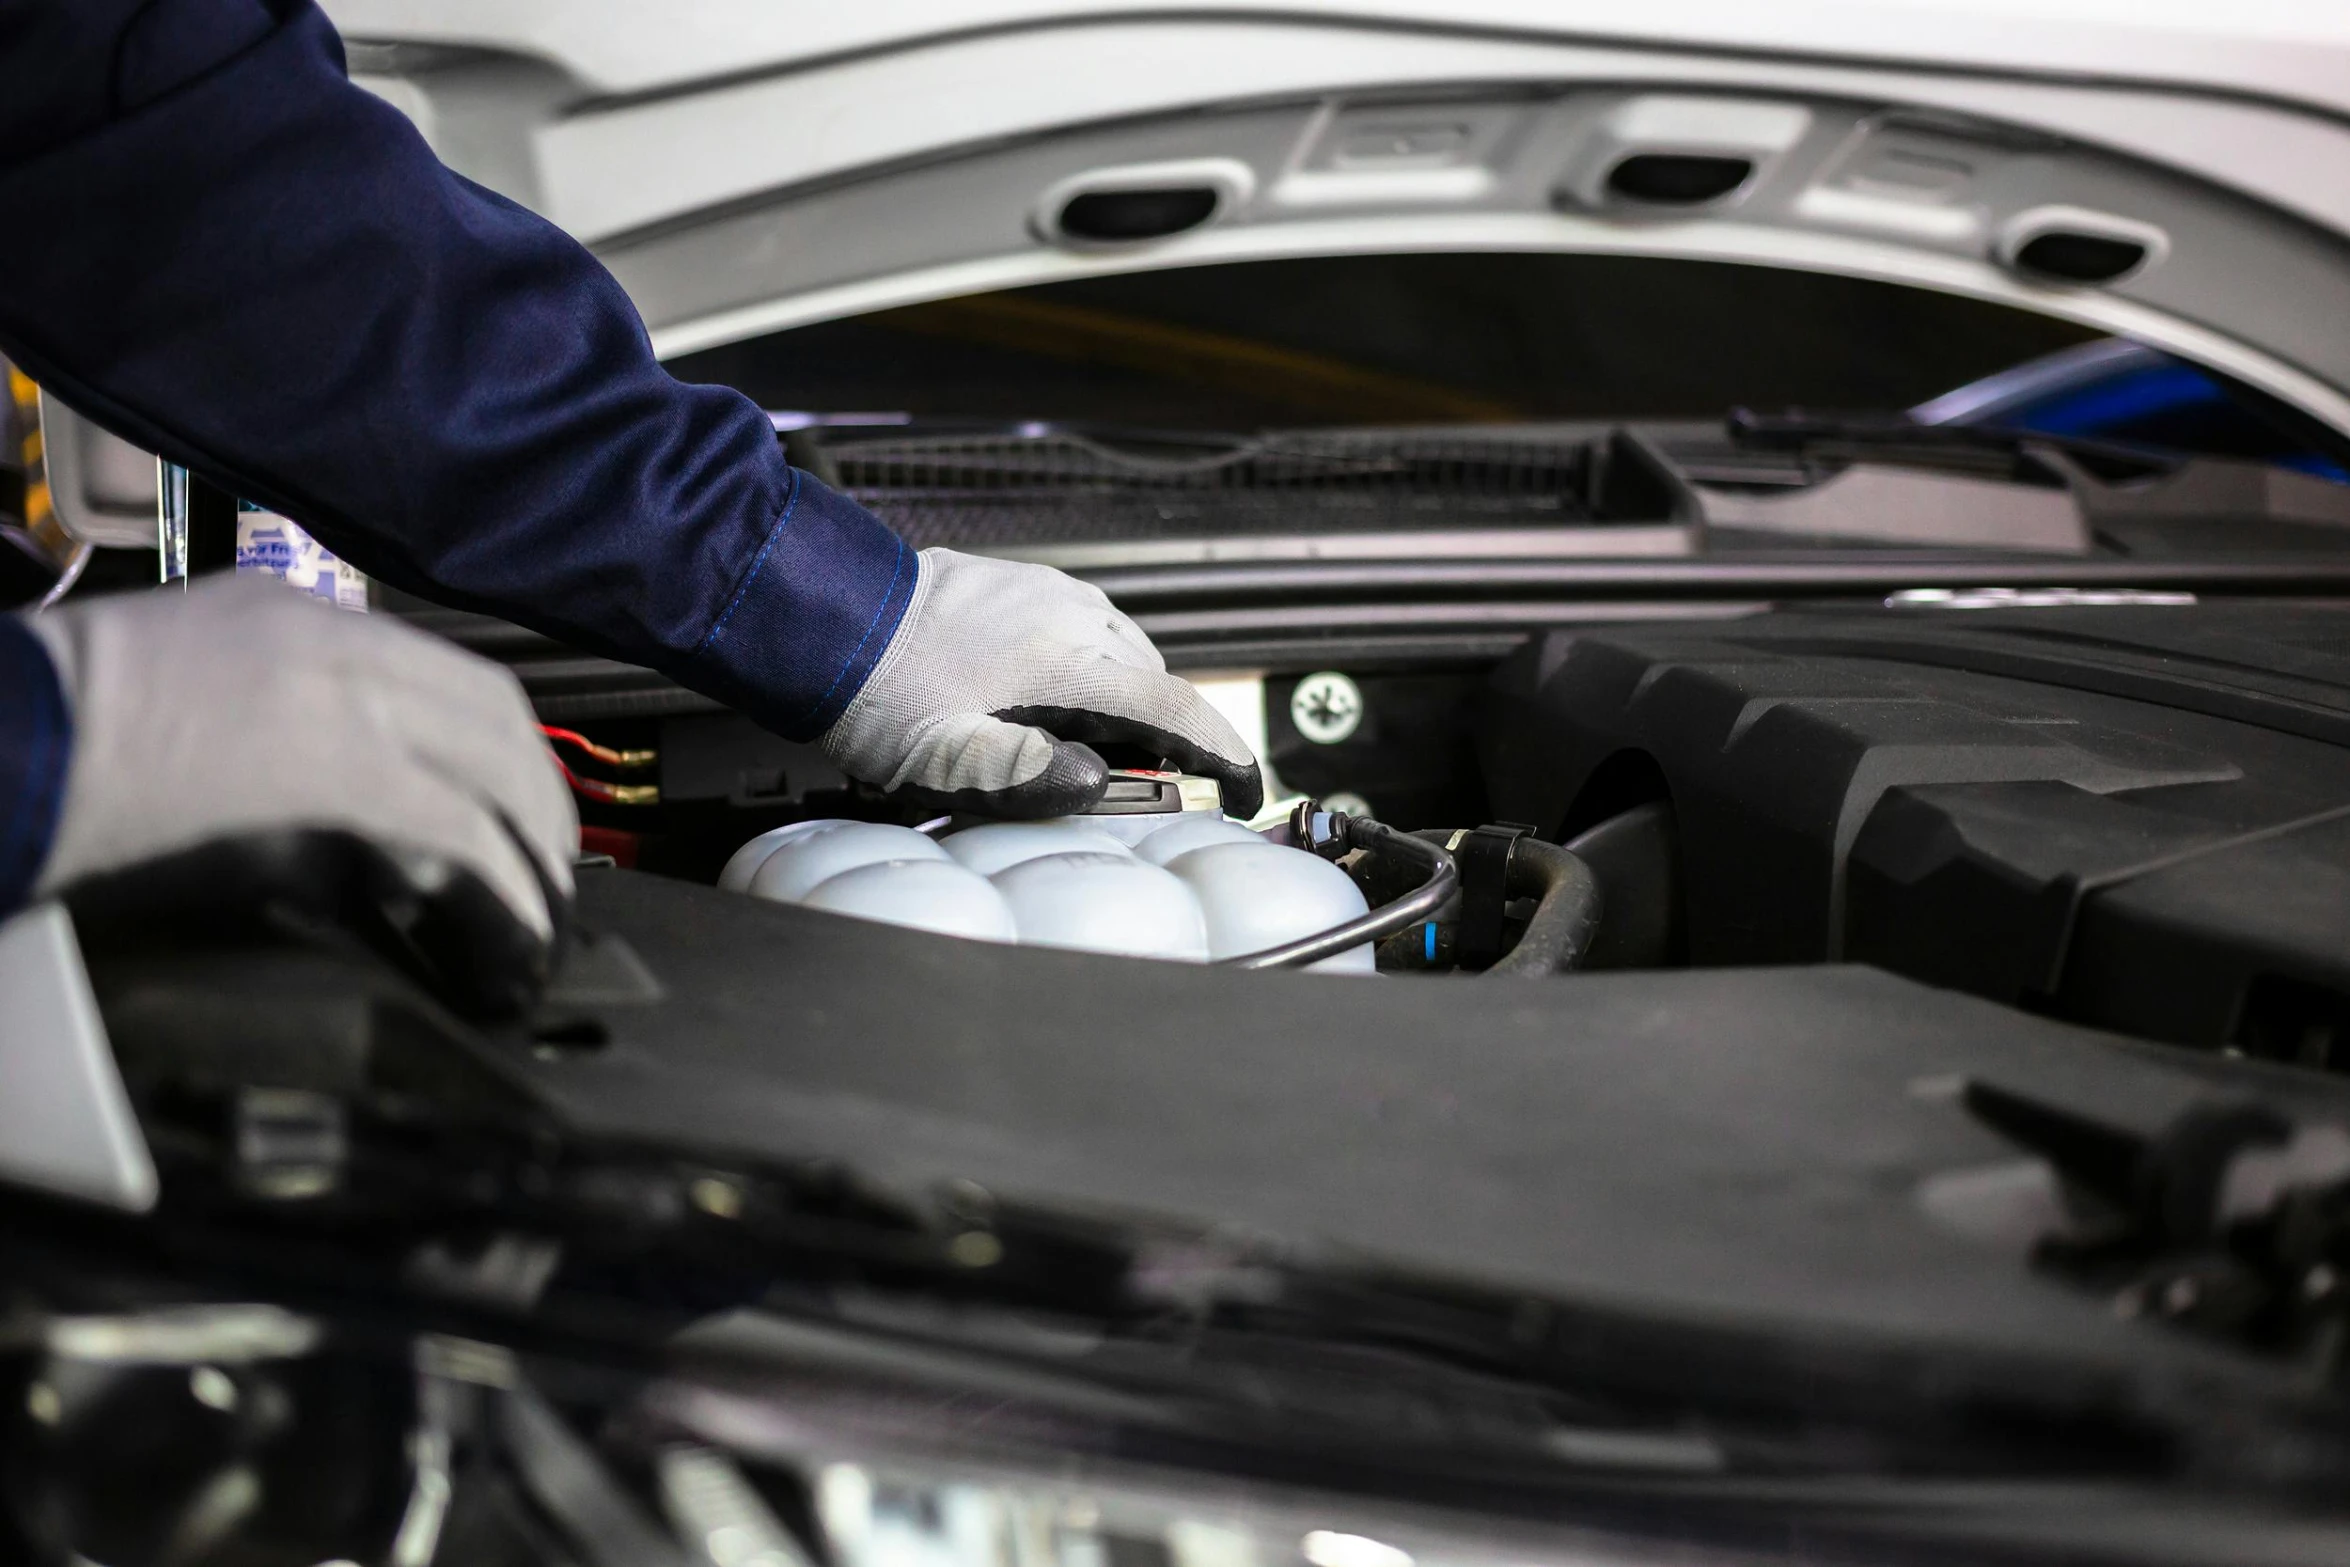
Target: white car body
[[747, 166]]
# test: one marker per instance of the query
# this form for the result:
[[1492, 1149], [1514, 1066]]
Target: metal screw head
[[719, 1198], [976, 1249], [1326, 707], [213, 1388]]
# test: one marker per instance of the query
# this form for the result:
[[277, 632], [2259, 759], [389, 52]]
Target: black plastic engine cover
[[2136, 816]]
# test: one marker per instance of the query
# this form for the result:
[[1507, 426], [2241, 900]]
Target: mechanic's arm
[[228, 254]]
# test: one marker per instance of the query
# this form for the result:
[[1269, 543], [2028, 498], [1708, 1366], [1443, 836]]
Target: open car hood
[[744, 169], [2279, 49]]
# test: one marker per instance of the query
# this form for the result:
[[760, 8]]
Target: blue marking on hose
[[1430, 928]]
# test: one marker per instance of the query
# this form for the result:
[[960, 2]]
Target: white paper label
[[268, 542]]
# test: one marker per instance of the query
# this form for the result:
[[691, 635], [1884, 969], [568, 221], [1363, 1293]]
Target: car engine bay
[[2124, 815]]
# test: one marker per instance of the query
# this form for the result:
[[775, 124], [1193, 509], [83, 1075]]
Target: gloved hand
[[243, 741], [992, 661]]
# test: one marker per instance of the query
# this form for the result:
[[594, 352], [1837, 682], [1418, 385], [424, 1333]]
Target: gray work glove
[[241, 741], [994, 660]]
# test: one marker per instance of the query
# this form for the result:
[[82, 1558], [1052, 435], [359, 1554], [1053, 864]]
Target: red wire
[[597, 789], [602, 753], [593, 788]]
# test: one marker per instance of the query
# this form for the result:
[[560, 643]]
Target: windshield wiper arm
[[1799, 430]]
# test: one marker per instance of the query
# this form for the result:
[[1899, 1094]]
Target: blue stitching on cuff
[[789, 506], [897, 566]]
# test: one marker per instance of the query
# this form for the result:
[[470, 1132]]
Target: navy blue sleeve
[[226, 253], [36, 737]]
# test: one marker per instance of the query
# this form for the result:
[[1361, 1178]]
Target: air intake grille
[[1059, 487]]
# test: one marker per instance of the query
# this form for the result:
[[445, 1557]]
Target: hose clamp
[[1483, 855]]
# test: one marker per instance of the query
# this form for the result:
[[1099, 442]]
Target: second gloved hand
[[998, 675], [242, 744]]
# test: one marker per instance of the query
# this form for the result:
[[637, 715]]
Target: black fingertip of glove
[[321, 887], [1242, 784], [1072, 783], [1243, 787]]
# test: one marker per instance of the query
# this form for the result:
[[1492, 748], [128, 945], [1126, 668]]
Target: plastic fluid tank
[[1128, 828], [797, 865], [999, 846], [936, 895], [1100, 902], [1258, 895], [1193, 830], [744, 863], [1198, 887]]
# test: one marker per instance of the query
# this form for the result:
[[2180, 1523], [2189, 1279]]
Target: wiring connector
[[608, 793], [608, 755]]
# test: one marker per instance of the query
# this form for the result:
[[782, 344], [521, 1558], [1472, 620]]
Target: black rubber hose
[[1566, 915], [1440, 882]]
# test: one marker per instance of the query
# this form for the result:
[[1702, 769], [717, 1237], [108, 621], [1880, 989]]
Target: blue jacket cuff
[[36, 738], [812, 616]]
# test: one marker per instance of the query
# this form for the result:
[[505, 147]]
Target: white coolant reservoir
[[800, 864], [998, 846], [1257, 895], [934, 895], [1156, 871], [1194, 830], [744, 863], [1098, 902]]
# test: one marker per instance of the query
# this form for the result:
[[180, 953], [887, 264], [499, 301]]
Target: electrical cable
[[607, 793], [1332, 829], [74, 566], [609, 756]]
